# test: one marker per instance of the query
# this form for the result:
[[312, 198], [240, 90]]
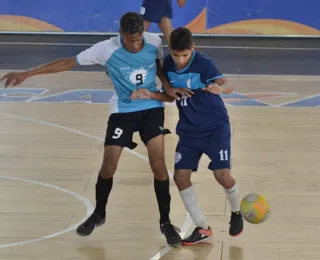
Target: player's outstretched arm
[[15, 78], [147, 94], [162, 76]]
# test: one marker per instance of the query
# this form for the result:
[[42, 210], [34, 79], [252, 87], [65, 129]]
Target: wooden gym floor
[[50, 154]]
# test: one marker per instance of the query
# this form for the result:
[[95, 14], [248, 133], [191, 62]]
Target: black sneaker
[[236, 224], [198, 235], [171, 233], [86, 228]]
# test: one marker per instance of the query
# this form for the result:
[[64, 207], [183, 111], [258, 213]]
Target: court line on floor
[[187, 222], [197, 46], [280, 76], [85, 201]]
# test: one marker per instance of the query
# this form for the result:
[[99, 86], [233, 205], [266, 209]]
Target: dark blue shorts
[[217, 146], [154, 10]]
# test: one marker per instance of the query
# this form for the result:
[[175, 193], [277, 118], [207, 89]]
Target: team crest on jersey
[[142, 10], [178, 157], [189, 83]]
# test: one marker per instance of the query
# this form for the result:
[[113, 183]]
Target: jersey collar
[[190, 62]]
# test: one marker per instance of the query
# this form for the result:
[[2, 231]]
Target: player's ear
[[192, 48]]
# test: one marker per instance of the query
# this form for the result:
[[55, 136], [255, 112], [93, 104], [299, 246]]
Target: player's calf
[[166, 27], [159, 169], [103, 188], [162, 190], [155, 147], [189, 198], [223, 176], [98, 217]]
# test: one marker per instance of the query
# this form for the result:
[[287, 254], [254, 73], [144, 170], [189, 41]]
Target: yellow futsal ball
[[255, 208]]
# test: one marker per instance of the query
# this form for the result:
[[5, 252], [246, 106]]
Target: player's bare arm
[[147, 94], [221, 86], [161, 75], [15, 78], [172, 92]]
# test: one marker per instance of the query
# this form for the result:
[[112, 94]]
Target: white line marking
[[283, 76], [86, 202], [298, 100], [197, 46], [281, 93], [185, 227], [187, 222], [205, 35]]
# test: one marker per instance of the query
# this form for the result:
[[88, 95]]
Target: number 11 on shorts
[[223, 155]]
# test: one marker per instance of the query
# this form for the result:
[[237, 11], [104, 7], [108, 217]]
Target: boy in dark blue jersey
[[203, 128], [159, 12]]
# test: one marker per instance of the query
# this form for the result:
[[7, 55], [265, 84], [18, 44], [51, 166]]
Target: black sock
[[103, 188], [162, 190]]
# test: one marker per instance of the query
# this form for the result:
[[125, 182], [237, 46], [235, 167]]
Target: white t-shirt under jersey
[[127, 70]]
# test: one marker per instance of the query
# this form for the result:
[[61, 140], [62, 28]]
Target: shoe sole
[[176, 244], [237, 234], [194, 243], [85, 235]]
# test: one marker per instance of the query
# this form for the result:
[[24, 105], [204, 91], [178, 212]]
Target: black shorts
[[122, 126]]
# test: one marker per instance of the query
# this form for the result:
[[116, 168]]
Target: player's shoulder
[[152, 38], [168, 58], [113, 42], [168, 63], [203, 60], [108, 45], [103, 49]]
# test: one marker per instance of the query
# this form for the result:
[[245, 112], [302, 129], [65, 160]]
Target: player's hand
[[178, 93], [141, 94], [13, 79], [181, 3], [213, 88]]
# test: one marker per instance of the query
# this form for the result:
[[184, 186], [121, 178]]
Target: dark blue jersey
[[203, 112]]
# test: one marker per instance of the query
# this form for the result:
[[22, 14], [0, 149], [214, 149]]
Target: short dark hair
[[132, 23], [181, 39]]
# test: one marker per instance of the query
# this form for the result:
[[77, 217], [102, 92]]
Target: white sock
[[189, 198], [233, 198]]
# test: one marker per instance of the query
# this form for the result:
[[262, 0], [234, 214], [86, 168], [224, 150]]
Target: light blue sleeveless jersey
[[127, 70]]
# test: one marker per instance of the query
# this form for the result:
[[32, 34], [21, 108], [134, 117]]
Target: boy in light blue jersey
[[133, 59], [203, 128]]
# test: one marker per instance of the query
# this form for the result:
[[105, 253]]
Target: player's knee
[[165, 23], [146, 25], [162, 26], [166, 29], [182, 181], [107, 171], [159, 169], [178, 178], [223, 176]]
